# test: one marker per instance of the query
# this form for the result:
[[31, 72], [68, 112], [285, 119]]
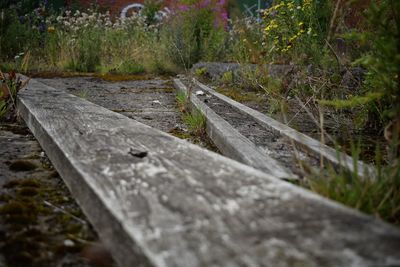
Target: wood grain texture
[[312, 145], [181, 205], [233, 144]]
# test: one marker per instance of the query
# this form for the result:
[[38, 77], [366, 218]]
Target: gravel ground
[[40, 223]]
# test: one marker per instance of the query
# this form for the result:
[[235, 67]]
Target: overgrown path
[[159, 201]]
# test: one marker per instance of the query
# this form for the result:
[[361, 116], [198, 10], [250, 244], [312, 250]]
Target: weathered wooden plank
[[317, 148], [159, 201], [233, 144]]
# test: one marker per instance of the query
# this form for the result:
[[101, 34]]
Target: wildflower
[[51, 29], [301, 23], [309, 31]]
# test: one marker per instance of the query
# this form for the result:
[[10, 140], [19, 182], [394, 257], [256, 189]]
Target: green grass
[[181, 100], [196, 122], [378, 196]]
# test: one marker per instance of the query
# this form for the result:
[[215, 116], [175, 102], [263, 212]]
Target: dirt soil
[[40, 223]]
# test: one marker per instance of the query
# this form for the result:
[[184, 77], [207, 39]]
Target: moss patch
[[23, 165]]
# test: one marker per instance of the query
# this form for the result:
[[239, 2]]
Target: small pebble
[[199, 92], [69, 243]]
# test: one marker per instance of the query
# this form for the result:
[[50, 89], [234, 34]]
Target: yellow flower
[[51, 29], [301, 23]]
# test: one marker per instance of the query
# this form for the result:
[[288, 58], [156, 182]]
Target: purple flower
[[204, 3], [42, 27], [183, 7]]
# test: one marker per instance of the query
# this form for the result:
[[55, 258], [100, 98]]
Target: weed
[[196, 122], [83, 94], [200, 72], [379, 196], [182, 101], [10, 85], [227, 77]]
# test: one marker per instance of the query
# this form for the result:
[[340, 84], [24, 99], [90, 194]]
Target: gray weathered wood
[[181, 205], [233, 144], [312, 145]]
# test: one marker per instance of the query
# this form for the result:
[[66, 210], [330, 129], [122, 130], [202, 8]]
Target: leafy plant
[[10, 85], [294, 31], [379, 98]]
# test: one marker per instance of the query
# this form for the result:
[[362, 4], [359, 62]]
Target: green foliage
[[379, 196], [381, 59], [86, 52], [150, 10], [182, 101], [191, 35], [200, 72], [10, 84], [353, 101], [378, 101], [196, 122], [246, 41], [227, 77], [15, 36], [295, 31]]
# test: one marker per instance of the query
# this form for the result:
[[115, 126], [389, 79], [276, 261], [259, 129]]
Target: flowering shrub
[[217, 7], [290, 26], [195, 31]]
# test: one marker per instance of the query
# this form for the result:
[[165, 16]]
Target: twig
[[332, 27], [298, 112], [314, 120], [321, 121], [64, 211], [333, 52], [296, 152]]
